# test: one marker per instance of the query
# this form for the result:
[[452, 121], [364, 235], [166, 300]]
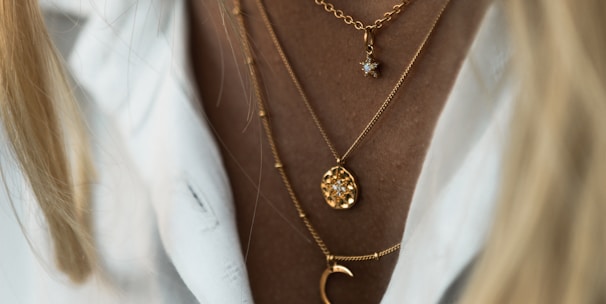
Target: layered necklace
[[338, 184]]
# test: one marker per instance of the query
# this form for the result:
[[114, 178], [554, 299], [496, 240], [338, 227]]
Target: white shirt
[[163, 211]]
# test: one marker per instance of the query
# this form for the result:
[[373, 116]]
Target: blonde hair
[[549, 237], [47, 137], [548, 244]]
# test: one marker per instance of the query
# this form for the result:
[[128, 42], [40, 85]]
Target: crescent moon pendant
[[330, 270]]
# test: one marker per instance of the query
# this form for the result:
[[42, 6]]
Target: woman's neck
[[284, 265]]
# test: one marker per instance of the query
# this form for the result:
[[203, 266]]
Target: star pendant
[[370, 67]]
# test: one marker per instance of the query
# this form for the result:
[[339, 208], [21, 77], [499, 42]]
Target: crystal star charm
[[370, 67]]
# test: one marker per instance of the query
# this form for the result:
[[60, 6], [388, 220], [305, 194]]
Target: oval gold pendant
[[339, 188]]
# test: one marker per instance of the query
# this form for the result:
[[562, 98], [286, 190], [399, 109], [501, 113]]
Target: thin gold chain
[[310, 109], [348, 19], [272, 143], [278, 163], [270, 137]]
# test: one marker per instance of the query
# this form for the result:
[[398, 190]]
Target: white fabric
[[453, 200], [163, 209]]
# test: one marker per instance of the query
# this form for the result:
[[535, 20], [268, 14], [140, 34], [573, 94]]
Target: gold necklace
[[370, 66], [331, 259], [338, 185]]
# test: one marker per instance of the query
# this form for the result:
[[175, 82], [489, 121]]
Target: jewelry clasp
[[369, 40], [330, 260]]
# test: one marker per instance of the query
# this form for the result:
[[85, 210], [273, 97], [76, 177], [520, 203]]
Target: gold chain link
[[367, 257], [310, 109], [348, 19], [263, 114]]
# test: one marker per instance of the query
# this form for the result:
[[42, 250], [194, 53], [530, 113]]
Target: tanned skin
[[284, 264]]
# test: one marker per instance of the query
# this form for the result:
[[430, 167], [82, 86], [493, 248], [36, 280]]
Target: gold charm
[[330, 270], [370, 66], [339, 188]]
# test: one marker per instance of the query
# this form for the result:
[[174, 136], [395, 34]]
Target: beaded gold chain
[[331, 259]]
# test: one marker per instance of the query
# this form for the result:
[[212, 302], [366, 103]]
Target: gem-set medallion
[[339, 188]]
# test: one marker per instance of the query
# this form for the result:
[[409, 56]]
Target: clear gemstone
[[339, 188], [369, 66]]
